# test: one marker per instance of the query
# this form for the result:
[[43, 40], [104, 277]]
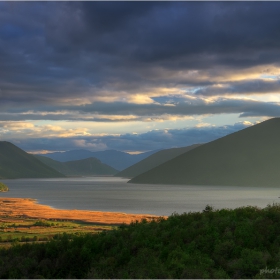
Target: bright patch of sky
[[270, 77]]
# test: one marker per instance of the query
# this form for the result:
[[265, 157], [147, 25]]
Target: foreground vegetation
[[3, 187], [20, 231], [240, 243]]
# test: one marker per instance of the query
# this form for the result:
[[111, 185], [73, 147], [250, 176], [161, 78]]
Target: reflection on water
[[115, 194]]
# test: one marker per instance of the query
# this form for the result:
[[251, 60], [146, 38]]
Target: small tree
[[208, 208], [3, 187]]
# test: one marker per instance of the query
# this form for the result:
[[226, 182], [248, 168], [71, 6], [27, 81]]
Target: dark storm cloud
[[153, 140], [55, 50], [107, 112], [242, 87], [189, 107], [164, 31], [105, 17]]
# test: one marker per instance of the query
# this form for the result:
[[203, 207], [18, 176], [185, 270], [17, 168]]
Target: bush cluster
[[3, 187]]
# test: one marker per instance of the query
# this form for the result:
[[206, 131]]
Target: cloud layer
[[86, 63], [130, 142]]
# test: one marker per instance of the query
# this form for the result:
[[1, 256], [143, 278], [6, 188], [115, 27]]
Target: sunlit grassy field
[[24, 220], [17, 230]]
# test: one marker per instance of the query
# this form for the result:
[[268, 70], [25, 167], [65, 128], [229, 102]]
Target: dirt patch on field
[[29, 208]]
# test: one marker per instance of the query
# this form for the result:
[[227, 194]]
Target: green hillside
[[15, 163], [84, 167], [59, 166], [250, 157], [153, 161]]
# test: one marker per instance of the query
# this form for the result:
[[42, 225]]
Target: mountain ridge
[[153, 161], [249, 157], [84, 167], [116, 159], [16, 163]]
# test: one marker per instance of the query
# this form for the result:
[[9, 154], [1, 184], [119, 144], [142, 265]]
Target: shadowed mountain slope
[[116, 159], [250, 157], [153, 161], [16, 163], [84, 167]]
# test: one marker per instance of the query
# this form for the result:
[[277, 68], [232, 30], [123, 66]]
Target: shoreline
[[30, 208]]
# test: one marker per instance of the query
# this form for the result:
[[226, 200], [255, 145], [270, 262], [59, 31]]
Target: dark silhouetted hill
[[16, 163], [116, 159], [84, 167], [250, 157], [153, 161]]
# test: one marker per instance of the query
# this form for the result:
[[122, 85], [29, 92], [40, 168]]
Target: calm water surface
[[115, 194]]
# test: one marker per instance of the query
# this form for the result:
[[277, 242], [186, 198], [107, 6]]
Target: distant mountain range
[[84, 167], [116, 159], [250, 157], [16, 163], [153, 161]]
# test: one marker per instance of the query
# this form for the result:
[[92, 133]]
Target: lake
[[116, 195]]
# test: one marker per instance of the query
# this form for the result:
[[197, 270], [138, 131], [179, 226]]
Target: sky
[[135, 76]]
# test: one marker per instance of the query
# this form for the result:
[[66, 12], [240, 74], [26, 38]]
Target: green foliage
[[223, 243], [24, 230], [3, 187], [42, 224], [208, 208]]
